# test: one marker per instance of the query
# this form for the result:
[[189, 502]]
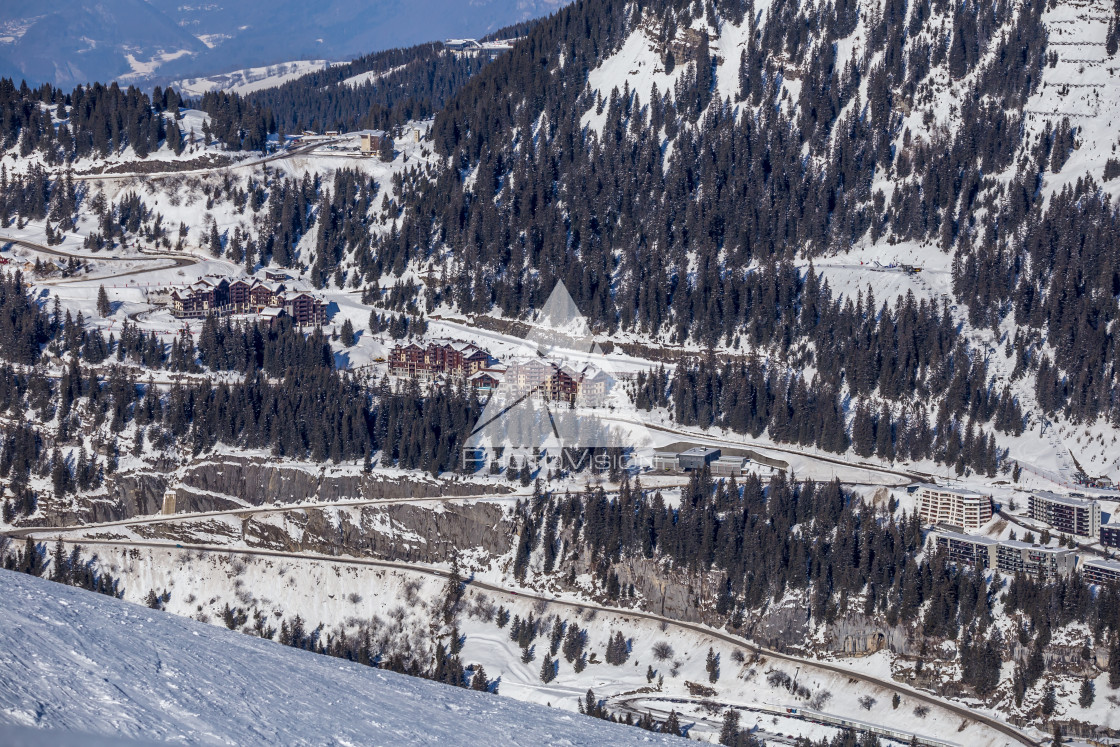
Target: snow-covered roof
[[1065, 500], [1102, 563], [947, 489], [1020, 545], [971, 539]]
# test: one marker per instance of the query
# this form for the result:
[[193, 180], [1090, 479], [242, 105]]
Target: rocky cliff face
[[230, 482], [427, 533], [123, 496], [421, 533]]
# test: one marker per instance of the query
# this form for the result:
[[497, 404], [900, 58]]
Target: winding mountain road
[[177, 260], [281, 155], [1017, 736]]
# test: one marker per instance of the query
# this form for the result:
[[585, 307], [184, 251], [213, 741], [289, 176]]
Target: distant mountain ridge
[[149, 41]]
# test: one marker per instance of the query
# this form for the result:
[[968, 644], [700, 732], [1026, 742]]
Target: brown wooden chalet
[[222, 296], [453, 358]]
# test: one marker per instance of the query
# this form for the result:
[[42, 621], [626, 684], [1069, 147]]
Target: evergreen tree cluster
[[842, 558], [24, 328], [645, 242], [1059, 282], [591, 706], [404, 85], [91, 121], [62, 567], [235, 122]]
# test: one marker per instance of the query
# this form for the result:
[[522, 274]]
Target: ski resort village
[[741, 372]]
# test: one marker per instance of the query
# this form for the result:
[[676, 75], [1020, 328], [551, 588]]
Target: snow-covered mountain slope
[[708, 140], [249, 79], [70, 43], [76, 661]]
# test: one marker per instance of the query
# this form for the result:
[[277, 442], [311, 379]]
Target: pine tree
[[729, 734], [556, 637], [1088, 693], [548, 669], [1114, 662], [712, 665], [672, 724], [103, 306], [453, 590], [479, 681], [60, 565], [1049, 701], [573, 643], [215, 241], [346, 334]]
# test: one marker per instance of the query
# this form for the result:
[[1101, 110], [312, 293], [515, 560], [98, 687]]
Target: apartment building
[[1110, 535], [967, 549], [1067, 514], [1101, 571], [1006, 556], [954, 507], [1042, 563]]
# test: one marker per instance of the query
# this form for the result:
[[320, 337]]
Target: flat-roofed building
[[666, 461], [1101, 571], [371, 140], [1039, 562], [726, 466], [1110, 535], [965, 509], [1066, 513], [968, 550], [697, 457]]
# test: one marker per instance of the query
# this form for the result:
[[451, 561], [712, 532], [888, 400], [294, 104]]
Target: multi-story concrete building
[[953, 507], [1067, 514], [968, 550], [1101, 571], [1039, 562], [1110, 535]]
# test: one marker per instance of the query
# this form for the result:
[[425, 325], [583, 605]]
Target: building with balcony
[[1040, 563], [1068, 514], [1101, 571], [967, 549], [963, 509]]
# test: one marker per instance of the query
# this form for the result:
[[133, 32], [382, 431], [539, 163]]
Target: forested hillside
[[379, 91], [676, 163]]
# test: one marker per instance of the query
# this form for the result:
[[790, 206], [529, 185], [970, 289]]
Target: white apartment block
[[965, 509]]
